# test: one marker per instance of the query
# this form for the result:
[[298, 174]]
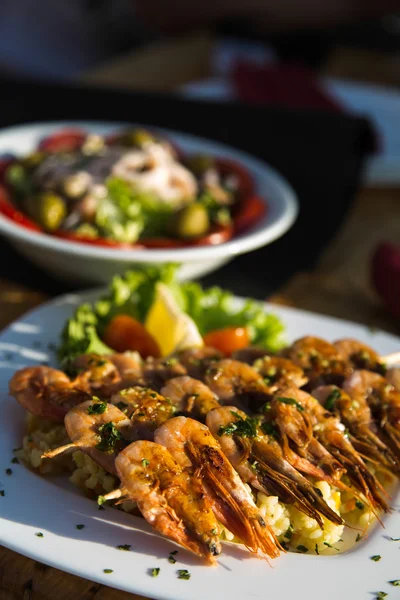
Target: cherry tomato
[[228, 340], [249, 213], [63, 141], [126, 333], [8, 210], [227, 166]]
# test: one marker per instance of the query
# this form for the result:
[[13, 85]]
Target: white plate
[[95, 264], [32, 504], [380, 105]]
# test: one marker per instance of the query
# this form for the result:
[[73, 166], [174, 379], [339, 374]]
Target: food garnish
[[183, 574]]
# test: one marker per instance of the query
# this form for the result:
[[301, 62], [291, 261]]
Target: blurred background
[[308, 58]]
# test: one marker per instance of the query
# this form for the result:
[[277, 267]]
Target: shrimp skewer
[[330, 434], [356, 416], [99, 430], [190, 396], [278, 372], [384, 402], [261, 464], [146, 409], [196, 450], [168, 498], [46, 392]]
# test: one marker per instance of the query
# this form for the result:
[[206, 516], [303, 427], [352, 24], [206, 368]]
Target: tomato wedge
[[63, 141], [126, 333], [228, 340], [249, 212]]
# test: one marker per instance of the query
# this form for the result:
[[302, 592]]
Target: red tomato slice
[[249, 212], [63, 141], [8, 210]]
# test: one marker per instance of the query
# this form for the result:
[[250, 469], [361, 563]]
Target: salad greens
[[125, 213], [133, 294]]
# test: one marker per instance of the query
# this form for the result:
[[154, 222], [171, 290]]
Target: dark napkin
[[320, 154]]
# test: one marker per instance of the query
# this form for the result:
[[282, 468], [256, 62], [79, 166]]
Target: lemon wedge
[[172, 329]]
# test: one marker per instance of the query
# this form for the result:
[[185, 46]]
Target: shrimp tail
[[242, 520]]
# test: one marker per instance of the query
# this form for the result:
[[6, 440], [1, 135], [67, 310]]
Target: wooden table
[[338, 286]]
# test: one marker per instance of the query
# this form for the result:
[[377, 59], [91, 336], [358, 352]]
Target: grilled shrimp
[[360, 355], [146, 409], [330, 432], [250, 354], [384, 402], [46, 392], [168, 498], [98, 429], [235, 382], [320, 360], [195, 449], [278, 371], [95, 371], [356, 415], [190, 396], [197, 360], [261, 464], [156, 371]]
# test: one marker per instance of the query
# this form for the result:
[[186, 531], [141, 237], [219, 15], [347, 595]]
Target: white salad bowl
[[80, 262]]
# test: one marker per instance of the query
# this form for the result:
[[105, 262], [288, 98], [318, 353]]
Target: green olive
[[33, 160], [16, 176], [191, 221], [199, 163], [49, 210], [74, 186], [137, 138]]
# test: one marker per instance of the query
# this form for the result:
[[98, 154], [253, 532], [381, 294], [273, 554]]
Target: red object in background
[[228, 340], [7, 209], [282, 85], [126, 333], [249, 213], [385, 275], [63, 141]]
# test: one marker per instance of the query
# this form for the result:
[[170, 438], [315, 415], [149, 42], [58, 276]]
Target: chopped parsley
[[330, 546], [289, 533], [15, 461], [108, 571], [8, 471], [122, 406], [242, 427], [358, 538], [101, 500], [331, 399], [302, 549], [183, 574], [376, 557], [290, 401], [39, 534], [145, 462], [395, 582], [266, 407], [109, 436], [2, 493], [285, 546], [394, 539], [125, 547], [270, 429], [381, 595], [155, 571], [214, 531], [316, 549], [98, 408], [171, 558], [359, 505], [80, 526]]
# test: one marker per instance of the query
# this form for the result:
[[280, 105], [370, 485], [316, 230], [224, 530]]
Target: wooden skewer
[[58, 451]]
